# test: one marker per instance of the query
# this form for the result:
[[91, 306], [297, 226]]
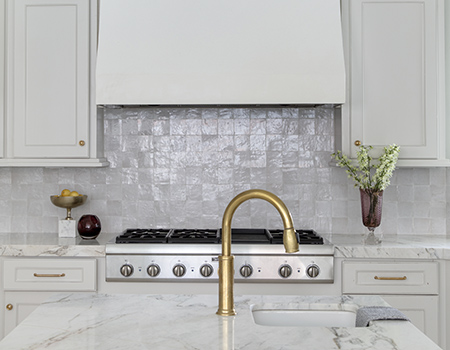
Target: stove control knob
[[246, 270], [179, 270], [313, 271], [126, 270], [206, 270], [153, 270], [285, 271]]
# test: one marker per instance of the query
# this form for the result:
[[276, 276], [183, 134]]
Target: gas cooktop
[[185, 255], [194, 236]]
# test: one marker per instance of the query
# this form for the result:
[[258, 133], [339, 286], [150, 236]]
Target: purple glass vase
[[89, 226], [371, 205]]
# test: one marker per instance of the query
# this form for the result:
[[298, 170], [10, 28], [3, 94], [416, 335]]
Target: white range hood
[[220, 52]]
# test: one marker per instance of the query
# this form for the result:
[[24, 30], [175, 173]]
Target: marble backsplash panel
[[179, 167]]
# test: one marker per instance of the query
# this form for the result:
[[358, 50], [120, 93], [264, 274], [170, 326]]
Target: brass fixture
[[357, 143], [49, 274], [9, 307], [82, 143], [226, 260], [390, 278]]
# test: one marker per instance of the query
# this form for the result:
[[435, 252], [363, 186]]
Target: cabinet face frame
[[428, 145]]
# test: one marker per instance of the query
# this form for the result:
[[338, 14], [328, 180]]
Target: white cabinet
[[420, 309], [2, 72], [446, 308], [18, 305], [51, 118], [395, 78], [411, 287], [27, 282]]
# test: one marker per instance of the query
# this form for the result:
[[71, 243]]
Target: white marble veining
[[123, 321]]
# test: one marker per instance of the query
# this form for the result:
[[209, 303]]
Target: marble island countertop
[[346, 246], [123, 321]]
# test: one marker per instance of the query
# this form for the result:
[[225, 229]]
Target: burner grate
[[303, 237], [249, 236], [143, 236], [194, 236], [238, 236]]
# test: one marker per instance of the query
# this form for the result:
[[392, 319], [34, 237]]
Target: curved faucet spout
[[226, 260]]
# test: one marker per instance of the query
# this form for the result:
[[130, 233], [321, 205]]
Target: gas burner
[[249, 236], [303, 237], [143, 236], [194, 236]]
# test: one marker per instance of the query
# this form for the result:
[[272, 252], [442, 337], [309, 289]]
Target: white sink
[[304, 317]]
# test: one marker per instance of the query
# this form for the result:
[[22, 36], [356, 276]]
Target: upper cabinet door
[[48, 109], [2, 75], [395, 72]]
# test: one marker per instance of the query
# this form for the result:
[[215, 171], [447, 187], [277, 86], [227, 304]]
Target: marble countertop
[[123, 321], [49, 244], [392, 246], [346, 246]]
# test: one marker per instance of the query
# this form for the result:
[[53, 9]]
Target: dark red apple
[[89, 226]]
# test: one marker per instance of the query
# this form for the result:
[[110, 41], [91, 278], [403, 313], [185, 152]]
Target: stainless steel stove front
[[190, 263]]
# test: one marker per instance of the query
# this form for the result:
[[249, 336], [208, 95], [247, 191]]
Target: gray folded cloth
[[376, 313]]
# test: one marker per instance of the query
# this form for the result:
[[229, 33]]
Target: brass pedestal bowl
[[68, 202]]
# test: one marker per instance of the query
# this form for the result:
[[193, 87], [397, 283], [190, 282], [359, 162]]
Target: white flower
[[367, 176]]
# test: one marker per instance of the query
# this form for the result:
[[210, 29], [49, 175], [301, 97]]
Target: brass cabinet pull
[[82, 143], [357, 143], [9, 306], [390, 278], [49, 274]]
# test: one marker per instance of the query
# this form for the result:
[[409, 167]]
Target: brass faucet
[[226, 260]]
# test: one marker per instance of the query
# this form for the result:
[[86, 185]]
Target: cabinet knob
[[9, 307], [81, 143], [357, 143]]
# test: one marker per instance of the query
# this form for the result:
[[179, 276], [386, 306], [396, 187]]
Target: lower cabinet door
[[422, 310], [18, 305]]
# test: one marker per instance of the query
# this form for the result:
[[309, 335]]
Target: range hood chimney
[[220, 52]]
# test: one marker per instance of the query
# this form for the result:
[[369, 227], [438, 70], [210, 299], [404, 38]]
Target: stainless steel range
[[162, 255]]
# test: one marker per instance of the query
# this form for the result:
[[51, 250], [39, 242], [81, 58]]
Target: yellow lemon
[[65, 193], [74, 194]]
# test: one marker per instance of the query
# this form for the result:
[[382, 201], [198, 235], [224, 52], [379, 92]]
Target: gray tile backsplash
[[179, 167]]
